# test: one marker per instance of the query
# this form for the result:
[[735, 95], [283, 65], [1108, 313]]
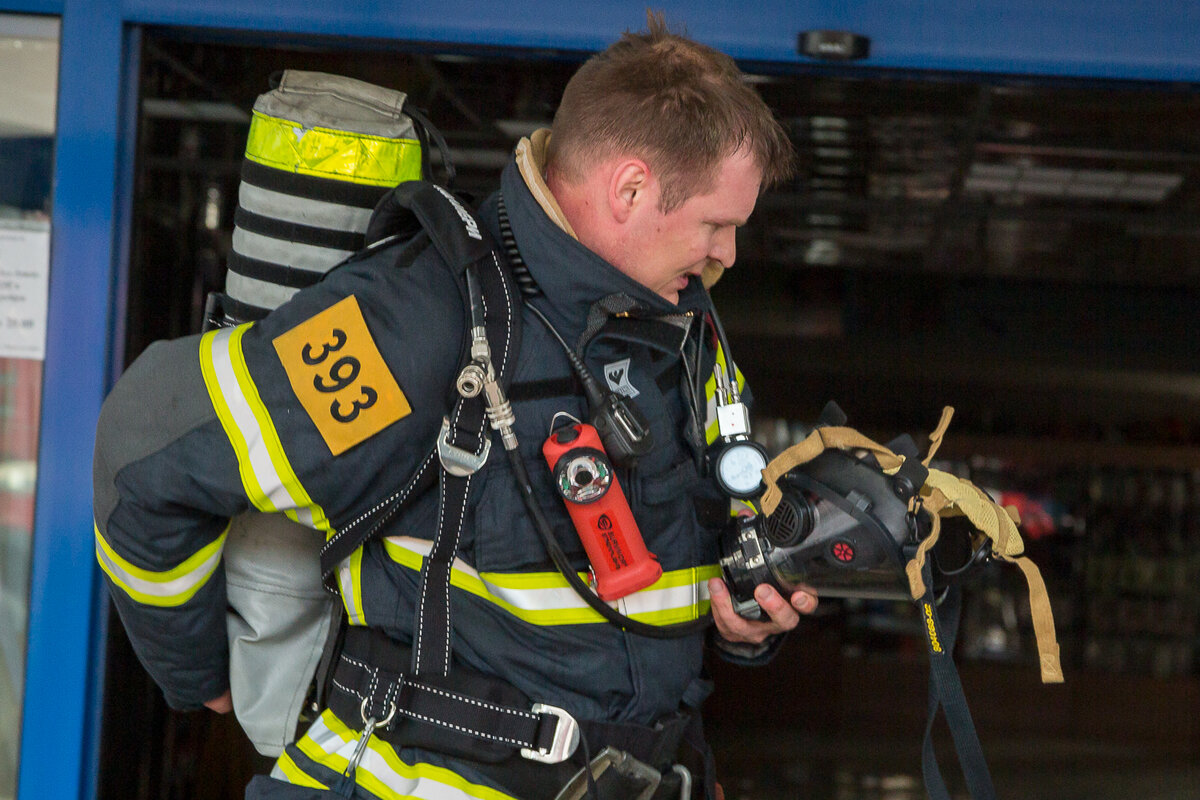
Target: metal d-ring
[[369, 728], [362, 712]]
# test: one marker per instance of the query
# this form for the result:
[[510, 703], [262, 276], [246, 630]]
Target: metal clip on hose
[[480, 374]]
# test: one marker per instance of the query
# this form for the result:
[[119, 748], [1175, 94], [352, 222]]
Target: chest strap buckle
[[564, 742], [457, 461]]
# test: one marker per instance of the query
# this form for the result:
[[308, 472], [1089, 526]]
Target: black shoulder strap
[[462, 242], [421, 205]]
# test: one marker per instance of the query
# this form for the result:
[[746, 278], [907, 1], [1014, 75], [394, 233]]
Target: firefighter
[[326, 408]]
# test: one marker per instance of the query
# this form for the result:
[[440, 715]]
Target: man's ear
[[628, 188]]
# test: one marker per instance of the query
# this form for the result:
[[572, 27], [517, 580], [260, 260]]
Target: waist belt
[[465, 714], [490, 723]]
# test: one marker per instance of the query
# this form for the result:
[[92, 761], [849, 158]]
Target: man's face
[[664, 250]]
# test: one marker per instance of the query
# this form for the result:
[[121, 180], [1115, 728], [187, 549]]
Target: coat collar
[[572, 278]]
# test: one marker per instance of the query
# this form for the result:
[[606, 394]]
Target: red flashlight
[[585, 479]]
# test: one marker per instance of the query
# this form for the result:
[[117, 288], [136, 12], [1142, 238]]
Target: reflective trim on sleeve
[[545, 598], [349, 578], [334, 154], [330, 743], [285, 769], [172, 587], [267, 475], [711, 430]]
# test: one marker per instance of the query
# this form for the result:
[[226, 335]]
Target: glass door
[[28, 88]]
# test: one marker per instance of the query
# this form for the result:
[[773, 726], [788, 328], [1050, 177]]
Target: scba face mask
[[843, 516], [842, 528]]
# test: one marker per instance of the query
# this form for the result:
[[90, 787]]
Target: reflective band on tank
[[711, 429], [271, 295], [302, 210], [170, 588], [328, 153], [349, 577], [330, 743], [545, 598], [267, 475], [307, 257]]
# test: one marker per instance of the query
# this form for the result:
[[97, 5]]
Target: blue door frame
[[1106, 39]]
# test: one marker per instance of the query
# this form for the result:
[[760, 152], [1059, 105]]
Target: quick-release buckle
[[618, 771], [566, 737], [458, 462]]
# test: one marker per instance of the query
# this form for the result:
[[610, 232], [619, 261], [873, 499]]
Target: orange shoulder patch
[[340, 377]]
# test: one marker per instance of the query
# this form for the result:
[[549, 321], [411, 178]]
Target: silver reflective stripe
[[307, 257], [263, 294], [301, 210], [267, 475], [166, 588], [381, 771], [545, 598], [349, 577]]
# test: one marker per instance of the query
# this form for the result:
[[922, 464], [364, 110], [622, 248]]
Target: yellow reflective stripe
[[330, 153], [545, 598], [170, 588], [267, 475], [678, 596], [286, 769], [330, 743], [350, 582], [711, 430]]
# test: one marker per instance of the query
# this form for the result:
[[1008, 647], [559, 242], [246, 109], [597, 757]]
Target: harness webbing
[[946, 693]]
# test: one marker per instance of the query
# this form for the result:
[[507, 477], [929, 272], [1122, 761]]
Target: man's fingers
[[779, 610], [804, 602], [222, 704]]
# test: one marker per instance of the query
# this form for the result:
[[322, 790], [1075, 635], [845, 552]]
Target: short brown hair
[[680, 105]]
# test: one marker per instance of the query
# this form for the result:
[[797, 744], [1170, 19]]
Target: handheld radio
[[585, 479]]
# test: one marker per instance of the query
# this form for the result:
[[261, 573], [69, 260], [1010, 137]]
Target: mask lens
[[821, 546]]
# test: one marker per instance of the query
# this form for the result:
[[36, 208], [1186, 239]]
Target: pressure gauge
[[738, 468]]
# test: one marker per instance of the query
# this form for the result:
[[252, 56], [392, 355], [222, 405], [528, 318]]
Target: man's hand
[[783, 615], [222, 704]]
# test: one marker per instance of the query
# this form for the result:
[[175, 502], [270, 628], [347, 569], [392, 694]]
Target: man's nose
[[724, 246]]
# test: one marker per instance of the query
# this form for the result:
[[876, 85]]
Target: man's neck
[[531, 162]]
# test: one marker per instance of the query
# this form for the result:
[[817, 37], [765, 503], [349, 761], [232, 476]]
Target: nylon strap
[[817, 442], [946, 692], [463, 244], [1043, 620], [944, 495], [431, 639], [468, 422], [935, 438], [468, 432], [467, 714]]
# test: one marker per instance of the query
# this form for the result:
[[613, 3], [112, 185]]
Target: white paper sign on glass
[[24, 282]]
